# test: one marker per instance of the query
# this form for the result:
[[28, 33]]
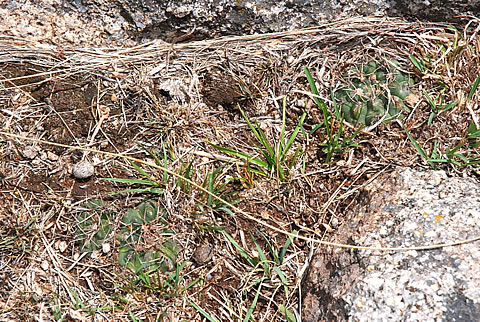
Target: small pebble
[[203, 254], [61, 246], [52, 156], [83, 170], [44, 265], [106, 248], [30, 152]]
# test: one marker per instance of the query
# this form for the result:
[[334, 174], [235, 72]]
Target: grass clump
[[150, 183], [333, 138], [276, 158], [216, 187], [268, 263]]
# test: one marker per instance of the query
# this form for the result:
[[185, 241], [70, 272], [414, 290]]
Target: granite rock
[[405, 208]]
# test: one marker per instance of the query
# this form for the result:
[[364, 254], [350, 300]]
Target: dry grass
[[170, 99]]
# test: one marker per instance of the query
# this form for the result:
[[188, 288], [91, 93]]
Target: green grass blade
[[250, 125], [140, 170], [282, 278], [313, 87], [283, 251], [455, 149], [254, 303], [202, 311], [474, 88], [416, 63], [165, 164], [268, 150], [263, 258], [241, 155], [133, 181], [242, 252], [463, 158], [337, 110], [150, 190], [271, 249], [132, 316], [294, 134], [430, 101], [451, 105], [288, 315], [418, 147], [320, 102]]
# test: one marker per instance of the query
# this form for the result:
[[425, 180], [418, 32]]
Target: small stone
[[106, 248], [61, 246], [203, 254], [52, 156], [30, 152], [83, 170], [44, 265]]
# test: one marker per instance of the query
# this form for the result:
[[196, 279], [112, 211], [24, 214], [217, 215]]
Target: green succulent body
[[95, 227], [365, 96], [130, 236]]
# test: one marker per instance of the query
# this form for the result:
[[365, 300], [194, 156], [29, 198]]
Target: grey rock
[[437, 10], [126, 22], [83, 170], [403, 209], [172, 20], [175, 21]]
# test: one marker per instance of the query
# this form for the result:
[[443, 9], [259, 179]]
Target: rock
[[173, 21], [83, 170], [437, 10], [30, 152], [402, 209], [124, 22], [203, 254]]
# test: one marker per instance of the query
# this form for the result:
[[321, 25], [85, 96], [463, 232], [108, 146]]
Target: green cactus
[[94, 226], [365, 96], [130, 237]]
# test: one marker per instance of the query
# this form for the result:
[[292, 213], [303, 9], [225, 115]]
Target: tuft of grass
[[153, 185], [268, 265], [437, 104], [276, 157], [212, 184], [466, 158], [331, 131]]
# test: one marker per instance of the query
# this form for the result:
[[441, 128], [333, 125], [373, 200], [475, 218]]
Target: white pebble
[[83, 170]]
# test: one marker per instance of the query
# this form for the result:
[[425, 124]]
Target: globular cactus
[[366, 97], [94, 226], [130, 236]]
